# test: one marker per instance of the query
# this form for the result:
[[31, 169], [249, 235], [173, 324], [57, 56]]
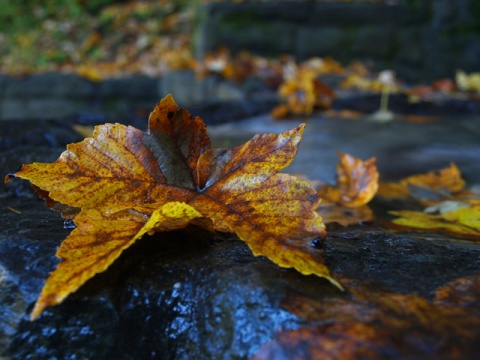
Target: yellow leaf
[[463, 222], [299, 92], [468, 82]]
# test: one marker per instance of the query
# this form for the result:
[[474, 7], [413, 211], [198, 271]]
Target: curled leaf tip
[[9, 177]]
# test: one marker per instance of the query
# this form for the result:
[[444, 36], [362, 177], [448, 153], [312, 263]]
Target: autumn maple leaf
[[443, 182], [122, 183], [346, 202]]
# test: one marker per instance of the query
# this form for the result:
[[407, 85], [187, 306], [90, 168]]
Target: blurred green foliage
[[51, 35], [26, 14]]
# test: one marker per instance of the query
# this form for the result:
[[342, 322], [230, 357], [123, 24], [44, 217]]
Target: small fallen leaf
[[214, 62], [468, 82], [303, 92], [444, 181], [299, 92], [462, 222], [448, 179], [345, 202], [357, 182], [447, 207], [123, 183]]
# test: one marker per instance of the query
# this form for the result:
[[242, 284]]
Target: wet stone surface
[[188, 294]]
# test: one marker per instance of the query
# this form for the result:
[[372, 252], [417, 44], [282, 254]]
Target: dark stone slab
[[48, 85], [57, 96], [131, 87], [192, 294], [322, 41]]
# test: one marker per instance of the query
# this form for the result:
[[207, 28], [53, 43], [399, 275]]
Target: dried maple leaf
[[357, 182], [303, 93], [445, 179], [444, 182], [123, 183], [299, 92], [345, 202]]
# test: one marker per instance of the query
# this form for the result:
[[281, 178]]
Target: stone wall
[[421, 40], [56, 95]]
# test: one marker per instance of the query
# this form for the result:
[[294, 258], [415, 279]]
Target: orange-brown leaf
[[357, 182], [444, 181], [449, 179], [119, 183]]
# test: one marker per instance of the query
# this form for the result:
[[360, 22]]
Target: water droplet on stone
[[317, 243], [69, 224]]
